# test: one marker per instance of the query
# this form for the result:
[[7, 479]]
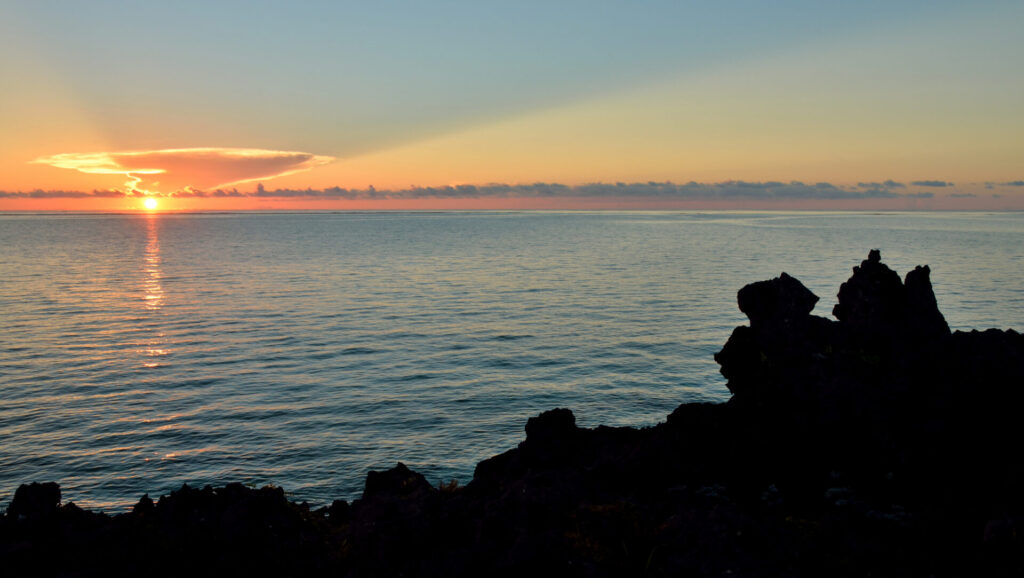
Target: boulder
[[35, 500], [396, 482], [550, 426], [776, 302]]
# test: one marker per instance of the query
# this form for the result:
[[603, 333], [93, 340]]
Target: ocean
[[139, 352]]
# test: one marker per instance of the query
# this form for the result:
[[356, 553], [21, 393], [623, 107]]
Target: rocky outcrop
[[35, 501], [875, 443]]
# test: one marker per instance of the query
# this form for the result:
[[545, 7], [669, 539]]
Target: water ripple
[[138, 353]]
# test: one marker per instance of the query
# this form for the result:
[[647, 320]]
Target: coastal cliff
[[875, 443]]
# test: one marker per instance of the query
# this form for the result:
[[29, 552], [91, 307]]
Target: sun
[[150, 203]]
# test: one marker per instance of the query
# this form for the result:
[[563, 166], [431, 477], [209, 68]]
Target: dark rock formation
[[876, 444], [397, 482], [34, 501]]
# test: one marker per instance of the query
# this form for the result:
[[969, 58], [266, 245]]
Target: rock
[[398, 481], [144, 506], [339, 512], [550, 426], [885, 316], [550, 438], [35, 500], [782, 335], [927, 323], [742, 361], [776, 302], [872, 296]]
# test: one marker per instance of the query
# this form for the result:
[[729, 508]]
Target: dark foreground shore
[[876, 444]]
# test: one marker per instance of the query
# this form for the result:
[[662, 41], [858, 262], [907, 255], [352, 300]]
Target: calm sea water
[[140, 352]]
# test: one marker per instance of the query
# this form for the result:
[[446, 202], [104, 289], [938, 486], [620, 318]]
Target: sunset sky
[[452, 104]]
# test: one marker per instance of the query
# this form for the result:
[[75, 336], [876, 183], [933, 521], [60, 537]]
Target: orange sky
[[917, 92]]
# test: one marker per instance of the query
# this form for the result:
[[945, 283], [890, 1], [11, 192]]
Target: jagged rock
[[777, 302], [742, 361], [339, 512], [882, 313], [873, 296], [398, 481], [550, 426], [782, 335], [788, 355], [928, 323], [35, 500], [144, 506]]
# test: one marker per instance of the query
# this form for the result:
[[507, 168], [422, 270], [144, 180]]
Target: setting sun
[[150, 204]]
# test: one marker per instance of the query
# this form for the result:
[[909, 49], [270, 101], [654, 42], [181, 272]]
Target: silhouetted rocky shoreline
[[879, 443]]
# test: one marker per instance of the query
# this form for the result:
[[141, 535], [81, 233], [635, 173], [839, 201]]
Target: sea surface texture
[[140, 352]]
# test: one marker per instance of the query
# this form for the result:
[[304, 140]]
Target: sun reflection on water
[[153, 290]]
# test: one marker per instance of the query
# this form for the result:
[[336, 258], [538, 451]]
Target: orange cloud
[[171, 170]]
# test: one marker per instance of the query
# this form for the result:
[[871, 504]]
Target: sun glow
[[180, 169], [150, 203]]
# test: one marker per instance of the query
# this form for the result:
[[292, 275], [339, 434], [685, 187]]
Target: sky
[[476, 105]]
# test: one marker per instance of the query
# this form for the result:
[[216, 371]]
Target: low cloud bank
[[723, 191], [728, 190]]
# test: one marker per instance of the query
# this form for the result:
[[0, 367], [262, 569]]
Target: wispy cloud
[[181, 169], [1015, 184], [931, 183]]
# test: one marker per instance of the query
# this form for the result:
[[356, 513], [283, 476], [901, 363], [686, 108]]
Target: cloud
[[963, 195], [722, 191], [931, 184], [188, 168], [889, 184], [1015, 184], [728, 190], [41, 194]]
